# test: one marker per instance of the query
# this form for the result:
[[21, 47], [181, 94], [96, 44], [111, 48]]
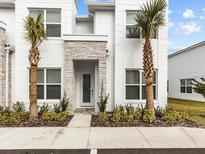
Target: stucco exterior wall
[[2, 66], [129, 54], [108, 17], [84, 27], [189, 64], [7, 15], [51, 50]]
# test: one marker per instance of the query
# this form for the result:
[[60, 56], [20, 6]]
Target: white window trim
[[133, 101], [186, 86], [133, 25], [51, 23], [45, 86], [126, 24]]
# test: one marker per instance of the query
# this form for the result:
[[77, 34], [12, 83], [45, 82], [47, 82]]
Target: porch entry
[[85, 75]]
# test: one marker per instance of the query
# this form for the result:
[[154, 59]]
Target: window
[[186, 85], [131, 31], [136, 86], [52, 20], [48, 84]]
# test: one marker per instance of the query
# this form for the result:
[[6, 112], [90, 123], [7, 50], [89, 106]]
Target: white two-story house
[[80, 53]]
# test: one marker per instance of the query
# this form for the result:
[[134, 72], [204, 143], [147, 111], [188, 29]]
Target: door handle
[[92, 91]]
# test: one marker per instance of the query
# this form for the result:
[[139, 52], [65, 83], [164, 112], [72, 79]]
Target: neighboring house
[[80, 53], [183, 66]]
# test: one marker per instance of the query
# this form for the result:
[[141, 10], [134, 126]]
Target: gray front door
[[87, 90]]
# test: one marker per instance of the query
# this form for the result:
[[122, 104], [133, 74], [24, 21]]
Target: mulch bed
[[41, 123], [203, 116], [139, 123]]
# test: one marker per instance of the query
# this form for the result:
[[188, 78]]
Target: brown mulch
[[203, 116], [139, 123], [41, 123]]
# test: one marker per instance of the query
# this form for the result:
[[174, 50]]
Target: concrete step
[[84, 111]]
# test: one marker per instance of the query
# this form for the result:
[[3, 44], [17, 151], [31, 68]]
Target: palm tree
[[35, 34], [149, 19]]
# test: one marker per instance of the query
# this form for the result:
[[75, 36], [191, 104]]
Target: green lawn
[[193, 108]]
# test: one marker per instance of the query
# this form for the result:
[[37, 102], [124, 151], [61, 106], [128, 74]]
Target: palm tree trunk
[[148, 71], [33, 94]]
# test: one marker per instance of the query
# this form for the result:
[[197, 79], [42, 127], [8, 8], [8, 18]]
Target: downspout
[[7, 49]]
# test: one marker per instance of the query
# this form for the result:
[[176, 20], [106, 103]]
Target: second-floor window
[[186, 85], [52, 20], [131, 31]]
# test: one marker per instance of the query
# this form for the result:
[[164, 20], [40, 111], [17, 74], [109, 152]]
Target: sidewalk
[[101, 138], [80, 121]]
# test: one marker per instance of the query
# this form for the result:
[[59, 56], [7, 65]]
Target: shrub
[[103, 100], [53, 116], [117, 116], [199, 87], [62, 106], [148, 116], [128, 117], [4, 110], [172, 116], [14, 118], [7, 120], [137, 114], [64, 103], [44, 108], [102, 118], [129, 109], [121, 109], [160, 112], [19, 107], [57, 108]]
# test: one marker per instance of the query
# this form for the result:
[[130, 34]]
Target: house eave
[[101, 6], [84, 18], [9, 4], [186, 49], [86, 38]]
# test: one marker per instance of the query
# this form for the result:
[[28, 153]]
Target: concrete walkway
[[101, 138], [80, 121]]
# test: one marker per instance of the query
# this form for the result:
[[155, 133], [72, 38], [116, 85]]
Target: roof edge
[[93, 6], [7, 4], [186, 49]]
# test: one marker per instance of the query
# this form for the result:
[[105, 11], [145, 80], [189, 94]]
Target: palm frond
[[151, 16], [34, 30], [199, 87]]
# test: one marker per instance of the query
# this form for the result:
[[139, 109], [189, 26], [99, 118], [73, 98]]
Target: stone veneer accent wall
[[82, 50], [2, 67]]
